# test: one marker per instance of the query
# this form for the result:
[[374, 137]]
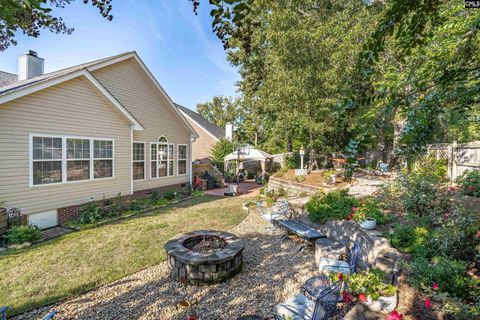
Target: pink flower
[[471, 188], [355, 208], [394, 315], [428, 303], [452, 188], [478, 235], [435, 286]]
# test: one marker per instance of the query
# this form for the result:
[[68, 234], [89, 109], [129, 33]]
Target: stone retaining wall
[[292, 188], [375, 250]]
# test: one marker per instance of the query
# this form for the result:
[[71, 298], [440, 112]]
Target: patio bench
[[280, 211], [301, 230]]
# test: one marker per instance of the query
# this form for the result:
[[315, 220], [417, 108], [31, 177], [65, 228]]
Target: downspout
[[131, 163], [192, 140]]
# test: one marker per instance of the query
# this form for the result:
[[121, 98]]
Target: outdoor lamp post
[[391, 230], [302, 153]]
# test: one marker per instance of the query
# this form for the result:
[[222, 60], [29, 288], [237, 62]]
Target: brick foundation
[[73, 212]]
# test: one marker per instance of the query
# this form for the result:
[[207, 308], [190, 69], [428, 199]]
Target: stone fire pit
[[204, 256]]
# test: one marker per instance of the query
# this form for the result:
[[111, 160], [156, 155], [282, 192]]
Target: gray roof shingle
[[7, 78], [213, 129]]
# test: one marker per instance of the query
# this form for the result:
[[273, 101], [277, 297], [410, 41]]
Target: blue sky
[[177, 46]]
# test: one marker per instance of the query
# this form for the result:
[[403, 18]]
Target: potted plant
[[371, 290], [363, 215]]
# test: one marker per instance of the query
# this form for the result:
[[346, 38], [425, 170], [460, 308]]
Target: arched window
[[162, 158]]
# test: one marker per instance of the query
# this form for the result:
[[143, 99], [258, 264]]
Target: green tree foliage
[[389, 74], [221, 110], [30, 16], [220, 150]]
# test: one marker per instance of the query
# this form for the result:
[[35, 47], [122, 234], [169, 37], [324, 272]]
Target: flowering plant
[[369, 283], [469, 183], [368, 209]]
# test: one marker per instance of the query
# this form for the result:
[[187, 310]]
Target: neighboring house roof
[[20, 88], [7, 78], [215, 131]]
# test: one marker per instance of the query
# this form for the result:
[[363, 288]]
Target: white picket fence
[[460, 157]]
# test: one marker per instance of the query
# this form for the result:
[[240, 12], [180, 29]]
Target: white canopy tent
[[247, 153]]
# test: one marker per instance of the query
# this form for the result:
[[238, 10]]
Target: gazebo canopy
[[248, 153]]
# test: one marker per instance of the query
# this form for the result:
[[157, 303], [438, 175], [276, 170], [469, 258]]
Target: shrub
[[269, 201], [299, 179], [281, 192], [327, 173], [422, 195], [469, 183], [90, 213], [429, 166], [22, 234], [261, 190], [450, 275], [293, 162], [412, 239], [135, 205], [457, 236], [155, 195], [335, 205], [389, 196], [169, 194]]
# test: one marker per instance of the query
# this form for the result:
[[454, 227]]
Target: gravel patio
[[273, 269]]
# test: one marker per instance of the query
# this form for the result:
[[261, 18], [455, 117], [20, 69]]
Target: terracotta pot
[[382, 304]]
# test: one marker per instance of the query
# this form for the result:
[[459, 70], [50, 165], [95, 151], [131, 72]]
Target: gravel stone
[[273, 270]]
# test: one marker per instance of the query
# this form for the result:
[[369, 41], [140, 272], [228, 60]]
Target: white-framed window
[[162, 158], [46, 160], [153, 160], [181, 159], [78, 159], [138, 160], [56, 159], [171, 158], [103, 159]]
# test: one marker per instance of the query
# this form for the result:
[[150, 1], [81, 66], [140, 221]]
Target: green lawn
[[80, 261]]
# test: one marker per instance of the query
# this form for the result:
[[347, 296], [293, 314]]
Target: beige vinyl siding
[[128, 82], [202, 147], [73, 108]]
